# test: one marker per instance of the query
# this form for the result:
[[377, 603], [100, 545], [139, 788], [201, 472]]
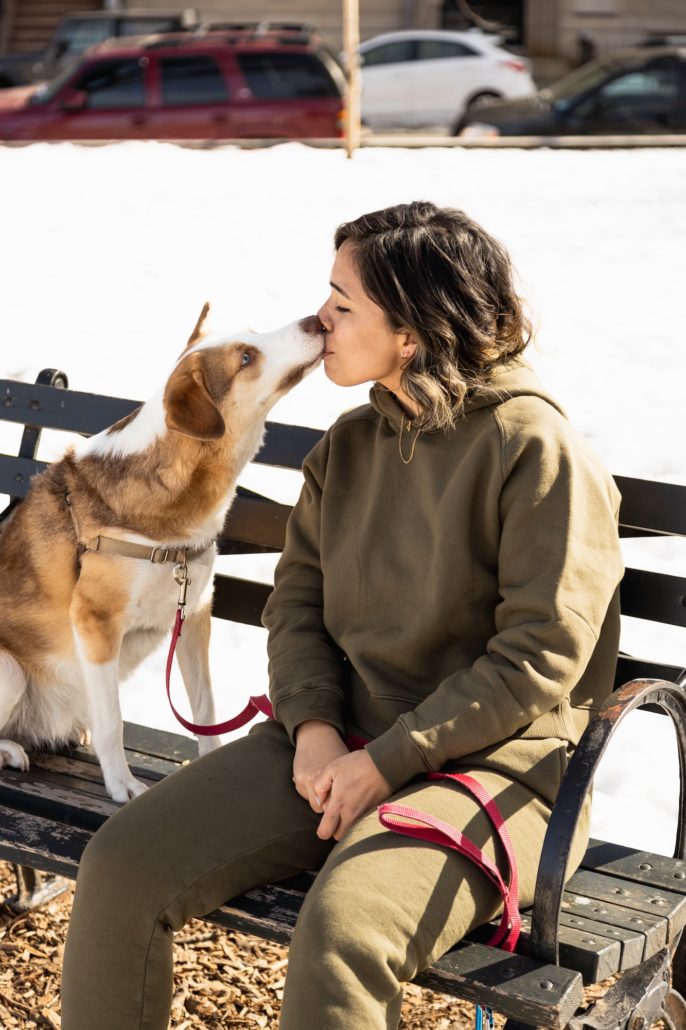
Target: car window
[[146, 26], [435, 49], [276, 76], [192, 80], [650, 89], [389, 53], [76, 36], [114, 83]]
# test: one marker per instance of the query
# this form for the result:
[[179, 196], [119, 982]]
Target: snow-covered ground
[[107, 254]]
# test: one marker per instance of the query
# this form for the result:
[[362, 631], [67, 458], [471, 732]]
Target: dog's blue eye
[[247, 358]]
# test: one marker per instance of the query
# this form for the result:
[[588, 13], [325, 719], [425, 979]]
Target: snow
[[107, 254]]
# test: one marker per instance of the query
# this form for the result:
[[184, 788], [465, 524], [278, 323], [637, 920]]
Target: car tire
[[478, 101]]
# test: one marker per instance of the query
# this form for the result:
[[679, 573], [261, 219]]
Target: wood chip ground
[[222, 980]]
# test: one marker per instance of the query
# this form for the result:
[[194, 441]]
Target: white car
[[422, 77]]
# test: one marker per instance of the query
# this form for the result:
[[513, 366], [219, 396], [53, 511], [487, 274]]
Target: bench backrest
[[257, 523]]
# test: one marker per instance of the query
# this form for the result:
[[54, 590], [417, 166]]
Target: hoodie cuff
[[313, 703], [396, 756]]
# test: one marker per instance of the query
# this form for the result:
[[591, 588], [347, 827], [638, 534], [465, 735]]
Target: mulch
[[222, 980]]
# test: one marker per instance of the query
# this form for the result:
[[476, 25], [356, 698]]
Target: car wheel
[[473, 105], [481, 100]]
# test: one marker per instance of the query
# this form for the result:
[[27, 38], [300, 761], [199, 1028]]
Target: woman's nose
[[323, 317]]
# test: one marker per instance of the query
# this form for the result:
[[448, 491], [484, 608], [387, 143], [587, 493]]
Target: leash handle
[[411, 822]]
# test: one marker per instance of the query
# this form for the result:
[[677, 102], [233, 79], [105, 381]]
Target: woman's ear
[[408, 347]]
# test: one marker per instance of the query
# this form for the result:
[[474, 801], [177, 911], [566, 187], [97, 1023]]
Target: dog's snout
[[312, 325]]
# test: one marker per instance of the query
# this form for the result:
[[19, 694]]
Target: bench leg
[[34, 888]]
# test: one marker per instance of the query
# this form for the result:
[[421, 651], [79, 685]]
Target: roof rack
[[284, 31]]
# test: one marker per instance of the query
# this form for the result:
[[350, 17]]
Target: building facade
[[562, 32]]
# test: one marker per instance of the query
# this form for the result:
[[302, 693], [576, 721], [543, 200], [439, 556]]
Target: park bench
[[622, 912]]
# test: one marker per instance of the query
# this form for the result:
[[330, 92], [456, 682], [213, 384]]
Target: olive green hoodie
[[461, 607]]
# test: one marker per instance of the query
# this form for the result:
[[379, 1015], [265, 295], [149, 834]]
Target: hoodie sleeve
[[559, 564], [305, 664]]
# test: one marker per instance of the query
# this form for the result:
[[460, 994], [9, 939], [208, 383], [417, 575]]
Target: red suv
[[216, 85]]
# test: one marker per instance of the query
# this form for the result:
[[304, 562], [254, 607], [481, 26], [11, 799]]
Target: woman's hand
[[317, 744], [349, 787]]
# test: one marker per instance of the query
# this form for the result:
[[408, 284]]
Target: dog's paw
[[125, 790], [13, 755]]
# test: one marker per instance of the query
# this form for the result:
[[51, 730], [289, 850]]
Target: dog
[[78, 614]]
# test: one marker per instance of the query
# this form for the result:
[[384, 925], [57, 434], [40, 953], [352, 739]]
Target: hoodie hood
[[514, 378]]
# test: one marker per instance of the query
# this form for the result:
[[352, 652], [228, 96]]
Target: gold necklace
[[406, 461]]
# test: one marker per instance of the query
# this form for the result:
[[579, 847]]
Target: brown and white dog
[[75, 622]]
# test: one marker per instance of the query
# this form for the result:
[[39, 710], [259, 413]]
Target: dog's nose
[[312, 325]]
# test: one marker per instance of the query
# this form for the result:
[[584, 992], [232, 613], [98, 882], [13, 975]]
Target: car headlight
[[479, 130]]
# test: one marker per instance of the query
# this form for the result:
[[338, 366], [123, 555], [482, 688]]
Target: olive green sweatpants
[[382, 908]]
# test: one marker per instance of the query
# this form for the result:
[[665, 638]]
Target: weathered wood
[[639, 866], [40, 843], [517, 987], [652, 928], [636, 896]]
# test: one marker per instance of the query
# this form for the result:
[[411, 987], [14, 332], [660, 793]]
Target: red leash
[[255, 705], [394, 817]]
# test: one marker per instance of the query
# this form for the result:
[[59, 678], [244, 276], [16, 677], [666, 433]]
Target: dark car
[[77, 32], [208, 86], [635, 91]]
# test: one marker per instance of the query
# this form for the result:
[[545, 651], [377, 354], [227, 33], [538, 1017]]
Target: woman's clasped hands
[[343, 785]]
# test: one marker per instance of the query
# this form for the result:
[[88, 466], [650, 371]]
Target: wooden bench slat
[[172, 747], [16, 474], [637, 896], [515, 986], [75, 411], [56, 800], [639, 866], [647, 505], [256, 521], [629, 668], [655, 596], [83, 764], [240, 600], [595, 950], [652, 927], [41, 843]]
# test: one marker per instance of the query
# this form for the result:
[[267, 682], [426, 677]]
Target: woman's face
[[360, 345]]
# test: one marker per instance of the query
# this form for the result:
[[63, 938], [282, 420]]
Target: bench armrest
[[671, 697]]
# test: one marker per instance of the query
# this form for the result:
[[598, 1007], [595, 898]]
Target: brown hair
[[438, 274]]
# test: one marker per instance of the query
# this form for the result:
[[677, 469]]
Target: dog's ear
[[189, 407], [197, 333]]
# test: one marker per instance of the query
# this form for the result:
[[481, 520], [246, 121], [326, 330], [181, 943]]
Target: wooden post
[[351, 41]]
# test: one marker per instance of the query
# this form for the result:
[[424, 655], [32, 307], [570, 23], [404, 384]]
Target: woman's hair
[[437, 273]]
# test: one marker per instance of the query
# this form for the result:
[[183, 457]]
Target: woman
[[448, 591]]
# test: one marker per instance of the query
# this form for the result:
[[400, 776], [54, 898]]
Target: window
[[76, 36], [192, 80], [147, 26], [435, 49], [389, 53], [114, 84], [651, 90], [275, 76]]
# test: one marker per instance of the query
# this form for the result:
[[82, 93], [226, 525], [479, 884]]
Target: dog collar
[[159, 554]]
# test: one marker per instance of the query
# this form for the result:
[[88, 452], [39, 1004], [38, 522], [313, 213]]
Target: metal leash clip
[[180, 574]]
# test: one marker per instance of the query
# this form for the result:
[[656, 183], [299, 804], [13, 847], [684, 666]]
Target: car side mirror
[[76, 100]]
